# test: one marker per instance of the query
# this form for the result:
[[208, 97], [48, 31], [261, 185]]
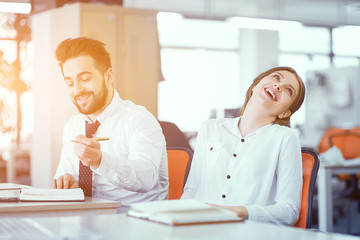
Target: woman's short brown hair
[[294, 106]]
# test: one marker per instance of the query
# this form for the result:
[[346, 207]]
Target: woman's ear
[[284, 114]]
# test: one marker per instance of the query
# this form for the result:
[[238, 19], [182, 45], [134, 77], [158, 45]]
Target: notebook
[[182, 212], [51, 195]]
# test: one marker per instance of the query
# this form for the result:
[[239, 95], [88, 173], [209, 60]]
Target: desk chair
[[179, 163], [174, 137], [310, 164]]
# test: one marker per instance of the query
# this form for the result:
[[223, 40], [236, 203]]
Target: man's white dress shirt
[[262, 171], [134, 165]]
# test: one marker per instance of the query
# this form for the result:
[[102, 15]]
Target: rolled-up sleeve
[[139, 171]]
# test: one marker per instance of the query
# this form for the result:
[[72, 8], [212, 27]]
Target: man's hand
[[88, 151], [64, 182]]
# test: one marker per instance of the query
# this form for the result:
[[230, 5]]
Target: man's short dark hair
[[83, 46]]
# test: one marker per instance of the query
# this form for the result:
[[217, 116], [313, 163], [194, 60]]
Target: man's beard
[[99, 100]]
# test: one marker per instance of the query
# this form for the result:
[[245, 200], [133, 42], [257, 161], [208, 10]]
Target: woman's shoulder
[[284, 130]]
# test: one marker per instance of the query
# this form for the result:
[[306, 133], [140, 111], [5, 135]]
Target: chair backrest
[[310, 164], [346, 140], [174, 137], [179, 163]]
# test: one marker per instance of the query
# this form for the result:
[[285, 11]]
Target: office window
[[8, 103], [304, 62], [176, 31], [197, 81], [200, 64], [306, 39], [346, 41], [346, 62]]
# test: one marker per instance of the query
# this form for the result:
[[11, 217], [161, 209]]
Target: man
[[131, 166]]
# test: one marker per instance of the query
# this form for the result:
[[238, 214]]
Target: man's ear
[[284, 114], [109, 77]]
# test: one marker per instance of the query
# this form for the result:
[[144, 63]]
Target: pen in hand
[[95, 139]]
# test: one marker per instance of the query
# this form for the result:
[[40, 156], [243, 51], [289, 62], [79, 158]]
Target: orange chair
[[310, 164], [179, 163], [348, 142]]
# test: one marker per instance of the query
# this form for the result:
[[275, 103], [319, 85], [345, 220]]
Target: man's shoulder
[[129, 109]]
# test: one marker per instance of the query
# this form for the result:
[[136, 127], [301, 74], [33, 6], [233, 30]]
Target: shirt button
[[242, 140], [234, 155], [211, 148], [223, 196], [228, 176]]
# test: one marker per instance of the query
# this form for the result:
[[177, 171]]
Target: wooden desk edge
[[88, 204]]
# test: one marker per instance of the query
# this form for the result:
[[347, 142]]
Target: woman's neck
[[253, 118]]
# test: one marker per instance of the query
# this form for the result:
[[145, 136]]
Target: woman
[[252, 164]]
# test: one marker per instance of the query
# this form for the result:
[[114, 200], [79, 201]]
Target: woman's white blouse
[[262, 171]]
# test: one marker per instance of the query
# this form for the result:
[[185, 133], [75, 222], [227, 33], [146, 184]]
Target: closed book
[[182, 212], [10, 192], [51, 195]]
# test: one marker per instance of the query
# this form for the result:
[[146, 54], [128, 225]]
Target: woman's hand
[[239, 210]]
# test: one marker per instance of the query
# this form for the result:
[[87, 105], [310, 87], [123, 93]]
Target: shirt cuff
[[251, 213], [102, 166]]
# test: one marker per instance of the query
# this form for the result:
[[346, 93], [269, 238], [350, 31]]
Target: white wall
[[52, 106]]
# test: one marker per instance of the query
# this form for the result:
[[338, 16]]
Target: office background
[[186, 61]]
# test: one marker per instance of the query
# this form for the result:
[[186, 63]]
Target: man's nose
[[77, 88]]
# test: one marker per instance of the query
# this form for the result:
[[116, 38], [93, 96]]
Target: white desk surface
[[120, 226], [89, 206], [325, 204]]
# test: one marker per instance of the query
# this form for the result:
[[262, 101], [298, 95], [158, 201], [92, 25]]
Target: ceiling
[[329, 13]]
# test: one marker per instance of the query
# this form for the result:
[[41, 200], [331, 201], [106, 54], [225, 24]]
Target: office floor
[[341, 221]]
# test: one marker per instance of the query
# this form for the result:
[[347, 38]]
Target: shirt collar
[[233, 127], [108, 110]]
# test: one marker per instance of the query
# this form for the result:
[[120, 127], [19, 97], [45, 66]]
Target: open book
[[182, 212], [51, 195]]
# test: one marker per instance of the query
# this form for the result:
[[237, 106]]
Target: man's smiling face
[[87, 86]]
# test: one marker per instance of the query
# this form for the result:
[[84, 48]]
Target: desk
[[325, 204], [120, 226], [91, 206]]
